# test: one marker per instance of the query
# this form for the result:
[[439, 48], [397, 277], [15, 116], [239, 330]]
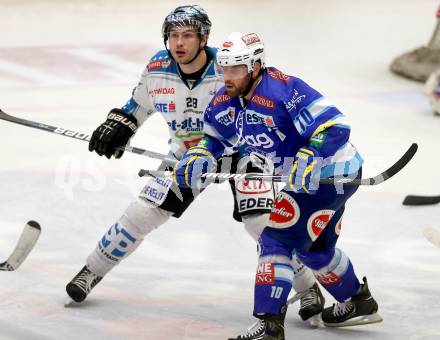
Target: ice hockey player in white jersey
[[179, 82]]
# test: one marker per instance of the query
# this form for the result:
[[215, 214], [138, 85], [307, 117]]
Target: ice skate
[[82, 284], [359, 310]]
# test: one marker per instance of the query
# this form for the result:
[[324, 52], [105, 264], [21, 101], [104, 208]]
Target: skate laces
[[86, 280], [342, 308], [310, 298], [253, 330]]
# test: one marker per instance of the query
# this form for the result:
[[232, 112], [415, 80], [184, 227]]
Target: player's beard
[[238, 88]]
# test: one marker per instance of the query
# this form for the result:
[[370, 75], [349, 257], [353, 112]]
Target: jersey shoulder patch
[[277, 75], [161, 62], [220, 97]]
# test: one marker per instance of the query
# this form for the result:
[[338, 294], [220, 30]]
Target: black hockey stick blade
[[25, 244], [382, 177], [78, 135], [420, 200]]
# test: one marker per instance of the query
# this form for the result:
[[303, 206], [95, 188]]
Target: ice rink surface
[[66, 63]]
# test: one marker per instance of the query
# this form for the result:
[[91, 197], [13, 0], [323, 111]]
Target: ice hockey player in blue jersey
[[266, 114], [179, 83]]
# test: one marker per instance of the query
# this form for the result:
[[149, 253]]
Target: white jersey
[[162, 89]]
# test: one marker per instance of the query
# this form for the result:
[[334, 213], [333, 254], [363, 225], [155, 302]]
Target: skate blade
[[359, 320], [315, 321], [69, 302]]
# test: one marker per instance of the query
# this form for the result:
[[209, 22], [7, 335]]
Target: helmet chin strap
[[251, 83], [195, 57]]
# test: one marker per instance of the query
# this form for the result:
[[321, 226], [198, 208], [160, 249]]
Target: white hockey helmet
[[241, 49], [432, 90]]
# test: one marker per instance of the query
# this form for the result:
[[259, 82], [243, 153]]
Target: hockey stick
[[420, 200], [78, 135], [26, 242], [382, 177], [432, 235]]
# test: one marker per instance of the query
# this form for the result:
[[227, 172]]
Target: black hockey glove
[[115, 132]]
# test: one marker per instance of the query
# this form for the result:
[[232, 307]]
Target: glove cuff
[[200, 150]]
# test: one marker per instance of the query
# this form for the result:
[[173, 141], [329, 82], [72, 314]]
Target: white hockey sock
[[125, 236], [303, 277]]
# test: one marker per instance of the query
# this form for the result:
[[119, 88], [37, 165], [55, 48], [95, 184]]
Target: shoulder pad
[[161, 61], [220, 97], [276, 74]]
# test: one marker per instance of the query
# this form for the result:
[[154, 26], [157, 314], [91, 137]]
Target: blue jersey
[[283, 115]]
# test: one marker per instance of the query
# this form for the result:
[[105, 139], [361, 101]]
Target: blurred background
[[67, 63]]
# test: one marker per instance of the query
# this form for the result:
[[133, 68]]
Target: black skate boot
[[311, 305], [359, 310], [82, 284], [269, 327]]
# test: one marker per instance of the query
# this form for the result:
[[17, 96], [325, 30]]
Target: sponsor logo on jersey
[[259, 204], [158, 64], [265, 274], [278, 75], [163, 90], [221, 98], [268, 121], [318, 221], [285, 212], [250, 39], [226, 117], [256, 186], [296, 99], [165, 107], [263, 101], [228, 44], [327, 279], [253, 117], [260, 140], [318, 140], [189, 125]]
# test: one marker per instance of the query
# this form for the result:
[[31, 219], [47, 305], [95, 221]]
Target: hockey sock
[[303, 277], [273, 283], [338, 277], [125, 236]]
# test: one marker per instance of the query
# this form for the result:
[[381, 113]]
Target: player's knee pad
[[317, 259], [142, 218], [255, 223]]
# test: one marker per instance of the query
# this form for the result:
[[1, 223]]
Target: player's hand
[[306, 171], [115, 132], [195, 162]]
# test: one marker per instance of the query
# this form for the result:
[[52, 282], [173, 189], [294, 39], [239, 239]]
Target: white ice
[[66, 63]]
